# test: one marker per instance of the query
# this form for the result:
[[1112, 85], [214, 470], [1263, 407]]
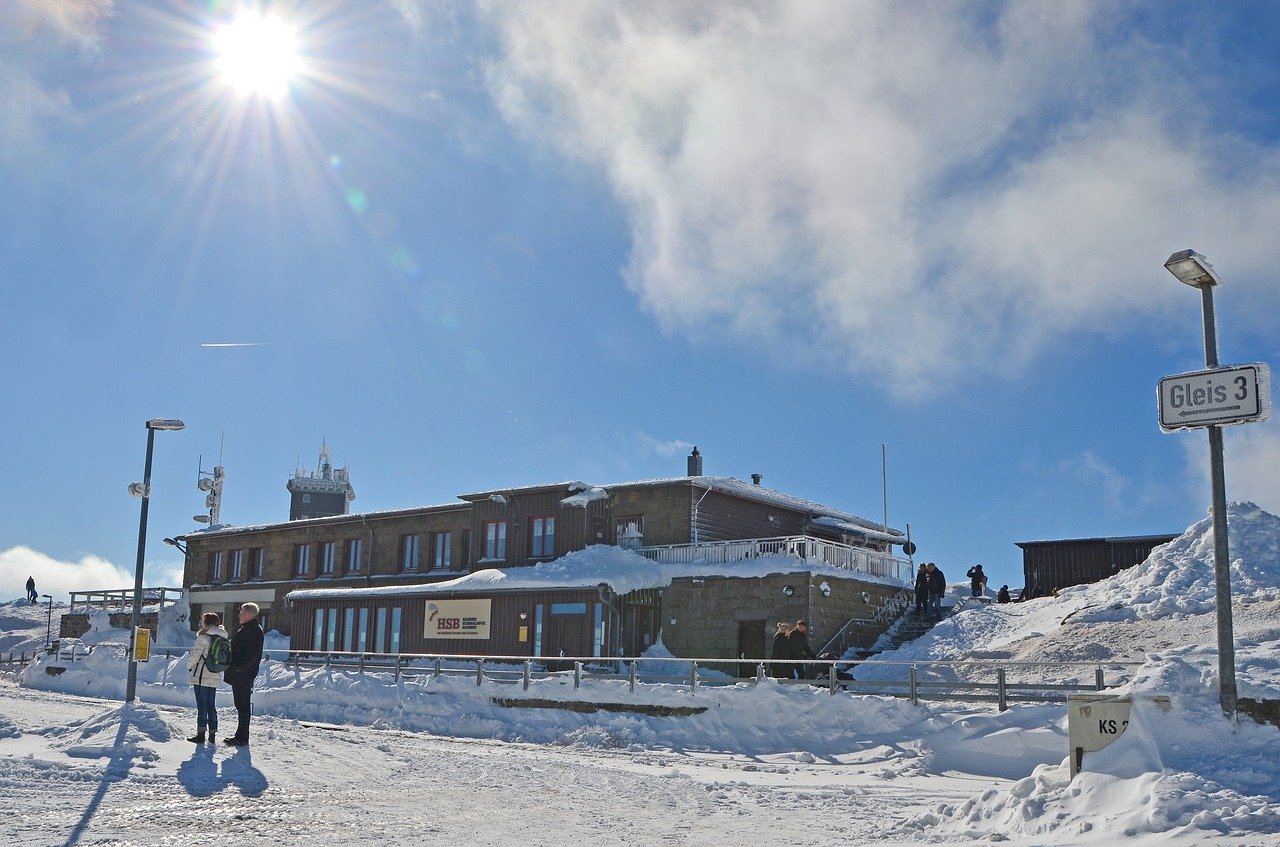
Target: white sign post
[[1215, 397]]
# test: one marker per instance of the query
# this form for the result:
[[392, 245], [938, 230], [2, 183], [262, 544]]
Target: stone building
[[330, 580]]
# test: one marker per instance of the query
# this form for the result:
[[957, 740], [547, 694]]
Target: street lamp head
[[1192, 268], [166, 423]]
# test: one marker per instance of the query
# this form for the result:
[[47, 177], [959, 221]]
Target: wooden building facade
[[1050, 565]]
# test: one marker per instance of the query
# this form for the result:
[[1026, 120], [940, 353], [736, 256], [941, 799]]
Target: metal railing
[[857, 559], [121, 599], [16, 661], [981, 682], [888, 612]]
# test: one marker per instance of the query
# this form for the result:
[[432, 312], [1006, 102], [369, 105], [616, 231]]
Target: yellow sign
[[141, 644], [524, 634], [458, 619]]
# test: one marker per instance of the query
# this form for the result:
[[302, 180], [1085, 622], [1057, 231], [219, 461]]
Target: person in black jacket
[[780, 669], [977, 580], [937, 589], [246, 655], [800, 649], [922, 590], [1003, 595]]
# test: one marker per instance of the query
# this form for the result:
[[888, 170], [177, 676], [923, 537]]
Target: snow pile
[[1139, 784], [1178, 577], [123, 734]]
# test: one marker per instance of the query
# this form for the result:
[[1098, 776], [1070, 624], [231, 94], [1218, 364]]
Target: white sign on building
[[458, 618], [1216, 397]]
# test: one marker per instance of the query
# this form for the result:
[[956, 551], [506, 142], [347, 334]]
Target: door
[[568, 633], [750, 646]]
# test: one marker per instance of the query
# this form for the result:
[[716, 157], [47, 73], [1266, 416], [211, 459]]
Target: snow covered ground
[[346, 758]]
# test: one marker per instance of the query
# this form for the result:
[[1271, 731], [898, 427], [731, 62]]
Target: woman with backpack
[[207, 661]]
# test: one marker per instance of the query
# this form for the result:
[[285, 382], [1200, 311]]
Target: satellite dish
[[137, 489], [205, 484], [200, 518], [210, 501]]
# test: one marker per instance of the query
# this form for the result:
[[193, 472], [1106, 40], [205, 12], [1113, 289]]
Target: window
[[395, 630], [237, 564], [327, 556], [333, 630], [302, 560], [306, 498], [537, 630], [215, 566], [409, 552], [599, 630], [568, 608], [355, 550], [542, 537], [318, 639], [363, 641], [495, 539], [257, 563], [348, 630], [441, 549], [380, 632]]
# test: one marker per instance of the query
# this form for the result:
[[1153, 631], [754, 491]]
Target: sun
[[258, 54]]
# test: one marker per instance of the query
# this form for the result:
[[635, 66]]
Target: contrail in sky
[[237, 343]]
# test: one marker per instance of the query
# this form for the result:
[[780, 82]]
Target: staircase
[[913, 625]]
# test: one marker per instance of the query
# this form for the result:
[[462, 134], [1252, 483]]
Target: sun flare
[[258, 54]]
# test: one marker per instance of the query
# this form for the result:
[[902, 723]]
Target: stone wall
[[700, 615], [665, 511]]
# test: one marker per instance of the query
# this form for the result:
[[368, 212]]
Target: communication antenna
[[210, 482]]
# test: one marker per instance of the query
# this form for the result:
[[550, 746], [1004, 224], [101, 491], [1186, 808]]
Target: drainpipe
[[694, 513]]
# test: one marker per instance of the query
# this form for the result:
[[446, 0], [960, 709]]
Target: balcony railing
[[856, 559]]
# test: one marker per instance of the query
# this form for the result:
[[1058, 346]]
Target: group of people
[[241, 670], [32, 596], [791, 651], [931, 586]]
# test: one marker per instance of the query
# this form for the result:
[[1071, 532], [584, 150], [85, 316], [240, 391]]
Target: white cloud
[[904, 192], [90, 573], [40, 38], [1251, 464], [1091, 468]]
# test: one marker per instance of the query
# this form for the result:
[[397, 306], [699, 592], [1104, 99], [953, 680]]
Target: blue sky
[[490, 244]]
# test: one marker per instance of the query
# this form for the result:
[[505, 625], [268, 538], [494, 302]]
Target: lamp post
[[1194, 269], [48, 627], [143, 490]]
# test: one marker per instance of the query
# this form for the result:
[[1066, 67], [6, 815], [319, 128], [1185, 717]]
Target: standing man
[[246, 655], [31, 590], [800, 649], [977, 580], [922, 589], [937, 588]]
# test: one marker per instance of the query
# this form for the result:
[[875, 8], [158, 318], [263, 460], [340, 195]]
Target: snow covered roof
[[850, 528], [229, 529], [601, 564], [759, 493], [581, 493], [1114, 539]]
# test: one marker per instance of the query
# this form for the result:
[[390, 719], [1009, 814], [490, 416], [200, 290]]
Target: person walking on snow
[[31, 590], [800, 649], [780, 668], [977, 580], [246, 655], [922, 589], [937, 589], [205, 681]]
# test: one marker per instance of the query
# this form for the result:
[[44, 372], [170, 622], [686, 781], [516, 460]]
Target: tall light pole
[[1194, 269], [143, 490]]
